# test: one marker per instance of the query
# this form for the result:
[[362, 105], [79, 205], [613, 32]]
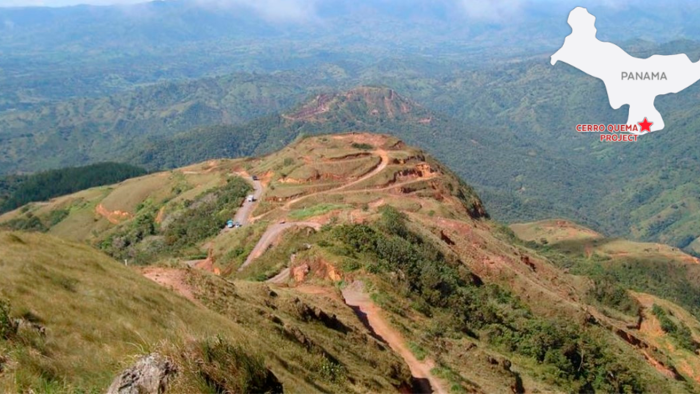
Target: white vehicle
[[251, 198]]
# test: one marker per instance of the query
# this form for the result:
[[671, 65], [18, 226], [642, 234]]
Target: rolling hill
[[87, 130], [399, 249], [472, 151], [479, 114]]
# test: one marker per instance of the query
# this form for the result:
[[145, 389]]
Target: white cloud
[[294, 10], [491, 10]]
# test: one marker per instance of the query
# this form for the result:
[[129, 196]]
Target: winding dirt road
[[243, 214], [370, 314], [270, 236], [379, 168]]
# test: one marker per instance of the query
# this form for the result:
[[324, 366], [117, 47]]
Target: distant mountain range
[[508, 128], [49, 54]]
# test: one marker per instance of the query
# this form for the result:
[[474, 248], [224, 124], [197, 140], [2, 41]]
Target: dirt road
[[270, 236], [371, 315], [243, 214], [382, 165], [282, 277]]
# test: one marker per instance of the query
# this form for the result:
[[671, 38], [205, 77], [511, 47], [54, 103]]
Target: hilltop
[[403, 254], [471, 150], [364, 108]]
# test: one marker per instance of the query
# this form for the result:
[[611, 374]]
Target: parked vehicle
[[229, 224], [255, 177], [251, 198]]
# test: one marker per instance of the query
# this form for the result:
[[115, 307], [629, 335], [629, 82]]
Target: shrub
[[57, 215], [226, 368], [362, 146], [206, 216], [680, 332], [607, 292], [331, 370], [437, 285], [8, 327], [26, 223]]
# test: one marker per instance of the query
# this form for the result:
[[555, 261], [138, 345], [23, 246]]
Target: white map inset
[[628, 80]]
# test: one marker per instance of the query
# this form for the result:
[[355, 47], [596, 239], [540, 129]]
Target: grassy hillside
[[365, 221], [61, 293], [20, 190], [148, 217], [659, 269], [364, 211]]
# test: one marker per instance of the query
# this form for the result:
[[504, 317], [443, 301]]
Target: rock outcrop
[[149, 375]]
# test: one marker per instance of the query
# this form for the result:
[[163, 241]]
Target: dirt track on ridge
[[380, 167], [371, 315], [270, 236]]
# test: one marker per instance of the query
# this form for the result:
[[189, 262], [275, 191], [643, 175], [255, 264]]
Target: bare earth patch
[[172, 278]]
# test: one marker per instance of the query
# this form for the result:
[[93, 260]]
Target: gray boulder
[[149, 375]]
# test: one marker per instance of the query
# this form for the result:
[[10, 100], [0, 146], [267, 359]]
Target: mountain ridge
[[413, 241]]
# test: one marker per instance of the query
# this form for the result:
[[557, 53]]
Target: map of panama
[[628, 80]]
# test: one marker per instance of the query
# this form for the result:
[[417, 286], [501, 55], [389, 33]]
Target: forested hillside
[[508, 127]]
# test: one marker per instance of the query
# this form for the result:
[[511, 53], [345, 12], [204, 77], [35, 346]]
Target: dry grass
[[97, 314], [553, 231], [128, 194]]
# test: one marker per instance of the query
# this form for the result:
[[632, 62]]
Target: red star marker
[[645, 125]]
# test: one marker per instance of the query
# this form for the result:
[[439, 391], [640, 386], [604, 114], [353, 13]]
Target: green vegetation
[[664, 277], [8, 327], [227, 368], [29, 222], [206, 216], [456, 381], [608, 292], [680, 333], [417, 350], [46, 185], [362, 146], [316, 210], [573, 356], [143, 240]]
